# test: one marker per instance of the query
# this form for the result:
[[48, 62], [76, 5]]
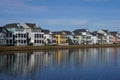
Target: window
[[24, 35], [10, 35], [42, 35], [21, 35], [37, 41], [7, 41], [21, 41], [38, 35], [35, 35], [34, 41], [18, 35], [42, 41], [10, 41], [7, 35]]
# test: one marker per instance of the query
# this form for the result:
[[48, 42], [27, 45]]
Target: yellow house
[[60, 38]]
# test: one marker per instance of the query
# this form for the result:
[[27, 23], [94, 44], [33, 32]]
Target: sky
[[58, 15]]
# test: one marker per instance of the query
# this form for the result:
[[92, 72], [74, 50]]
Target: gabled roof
[[1, 29], [102, 31], [4, 30], [114, 33], [94, 33], [32, 25], [60, 32], [13, 25], [79, 31], [67, 32], [56, 32], [105, 30], [45, 31]]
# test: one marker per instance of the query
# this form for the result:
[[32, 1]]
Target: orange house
[[114, 37]]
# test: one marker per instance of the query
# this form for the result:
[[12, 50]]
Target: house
[[35, 34], [89, 38], [2, 36], [47, 36], [18, 36], [69, 36], [103, 37], [113, 38], [94, 37], [77, 37], [6, 37], [118, 37], [83, 36], [61, 38], [54, 41]]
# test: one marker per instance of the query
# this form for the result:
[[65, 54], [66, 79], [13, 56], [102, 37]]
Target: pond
[[65, 64]]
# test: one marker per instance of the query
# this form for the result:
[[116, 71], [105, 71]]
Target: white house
[[83, 36], [18, 36], [77, 37], [103, 37], [94, 37], [47, 37], [35, 34]]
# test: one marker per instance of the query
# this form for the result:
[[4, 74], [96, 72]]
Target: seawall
[[30, 48]]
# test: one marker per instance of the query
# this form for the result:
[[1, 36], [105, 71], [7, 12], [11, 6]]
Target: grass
[[31, 48]]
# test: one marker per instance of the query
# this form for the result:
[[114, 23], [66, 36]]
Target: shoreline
[[32, 48]]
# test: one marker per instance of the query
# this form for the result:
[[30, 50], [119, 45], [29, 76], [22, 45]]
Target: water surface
[[76, 64]]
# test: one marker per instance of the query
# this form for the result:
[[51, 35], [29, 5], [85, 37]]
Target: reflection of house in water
[[7, 61], [21, 62], [33, 61], [26, 62], [61, 56]]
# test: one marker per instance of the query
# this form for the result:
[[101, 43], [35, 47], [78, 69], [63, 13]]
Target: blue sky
[[63, 14]]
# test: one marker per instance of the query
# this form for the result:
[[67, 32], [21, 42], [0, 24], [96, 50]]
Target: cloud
[[95, 0], [20, 7], [64, 21]]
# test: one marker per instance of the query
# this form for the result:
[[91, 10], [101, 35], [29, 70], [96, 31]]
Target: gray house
[[5, 37], [2, 36]]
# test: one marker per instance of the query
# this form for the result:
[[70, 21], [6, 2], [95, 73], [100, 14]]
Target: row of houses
[[32, 34]]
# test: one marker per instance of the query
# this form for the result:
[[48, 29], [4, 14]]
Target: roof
[[114, 33], [3, 29], [60, 32], [46, 31], [56, 32], [32, 25], [79, 31], [94, 33], [105, 30], [13, 25], [67, 32]]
